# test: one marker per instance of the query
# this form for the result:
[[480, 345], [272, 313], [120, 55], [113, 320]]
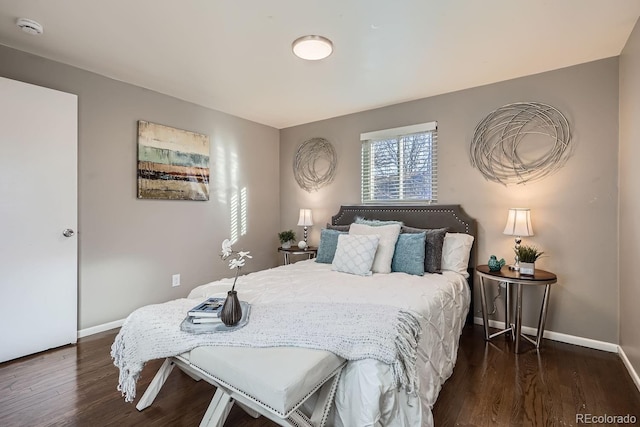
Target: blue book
[[209, 308]]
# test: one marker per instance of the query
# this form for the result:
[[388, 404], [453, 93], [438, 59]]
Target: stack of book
[[206, 312]]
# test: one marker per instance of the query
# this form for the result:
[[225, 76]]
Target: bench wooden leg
[[321, 408], [253, 413], [190, 373], [325, 400], [218, 409], [156, 384]]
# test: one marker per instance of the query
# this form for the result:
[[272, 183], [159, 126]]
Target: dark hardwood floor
[[76, 386]]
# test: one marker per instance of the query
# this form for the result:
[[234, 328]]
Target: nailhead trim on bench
[[264, 405]]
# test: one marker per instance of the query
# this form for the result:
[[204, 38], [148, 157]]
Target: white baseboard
[[557, 336], [627, 363], [100, 328]]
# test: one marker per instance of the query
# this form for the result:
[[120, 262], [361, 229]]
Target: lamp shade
[[519, 222], [305, 219]]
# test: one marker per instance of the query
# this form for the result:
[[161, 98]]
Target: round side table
[[310, 252], [514, 278]]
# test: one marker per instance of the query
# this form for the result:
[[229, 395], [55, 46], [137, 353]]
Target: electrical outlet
[[175, 280]]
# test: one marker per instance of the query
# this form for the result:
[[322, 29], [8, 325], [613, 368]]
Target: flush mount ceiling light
[[312, 48], [30, 26]]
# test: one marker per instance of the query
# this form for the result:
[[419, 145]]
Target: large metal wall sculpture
[[314, 164], [500, 138]]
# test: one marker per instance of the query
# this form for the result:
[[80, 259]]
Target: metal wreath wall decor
[[314, 164], [499, 151]]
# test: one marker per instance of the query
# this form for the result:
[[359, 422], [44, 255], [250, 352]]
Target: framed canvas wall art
[[173, 163]]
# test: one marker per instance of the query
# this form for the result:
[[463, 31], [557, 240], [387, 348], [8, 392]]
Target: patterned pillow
[[409, 254], [355, 254], [328, 244], [388, 236], [433, 247]]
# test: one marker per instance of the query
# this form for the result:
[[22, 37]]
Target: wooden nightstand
[[310, 252], [510, 277]]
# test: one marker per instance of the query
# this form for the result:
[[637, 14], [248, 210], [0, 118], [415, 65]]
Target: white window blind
[[400, 164]]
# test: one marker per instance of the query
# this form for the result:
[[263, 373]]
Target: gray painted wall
[[129, 248], [629, 248], [574, 211]]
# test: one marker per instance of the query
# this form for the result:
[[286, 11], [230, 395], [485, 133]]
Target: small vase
[[286, 245], [231, 310]]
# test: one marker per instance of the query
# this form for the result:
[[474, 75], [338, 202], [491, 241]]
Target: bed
[[364, 392]]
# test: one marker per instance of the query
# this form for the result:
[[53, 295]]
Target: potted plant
[[527, 256], [286, 237]]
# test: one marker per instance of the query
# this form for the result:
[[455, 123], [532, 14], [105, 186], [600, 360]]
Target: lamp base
[[516, 265]]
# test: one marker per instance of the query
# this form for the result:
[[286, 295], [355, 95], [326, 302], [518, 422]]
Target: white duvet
[[366, 395]]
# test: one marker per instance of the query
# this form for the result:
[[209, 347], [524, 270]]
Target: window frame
[[368, 138]]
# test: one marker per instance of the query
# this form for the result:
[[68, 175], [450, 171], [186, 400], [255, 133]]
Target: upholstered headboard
[[452, 217], [431, 216]]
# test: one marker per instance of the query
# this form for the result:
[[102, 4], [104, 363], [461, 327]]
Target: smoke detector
[[30, 26]]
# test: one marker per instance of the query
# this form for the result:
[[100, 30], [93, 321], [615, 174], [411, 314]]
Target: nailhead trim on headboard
[[455, 211], [419, 216], [338, 217]]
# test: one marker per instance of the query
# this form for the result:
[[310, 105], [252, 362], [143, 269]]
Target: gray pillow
[[328, 245], [433, 246]]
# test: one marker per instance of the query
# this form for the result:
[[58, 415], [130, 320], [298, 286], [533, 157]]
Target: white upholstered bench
[[273, 382]]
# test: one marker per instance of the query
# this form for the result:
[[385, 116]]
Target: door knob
[[68, 232]]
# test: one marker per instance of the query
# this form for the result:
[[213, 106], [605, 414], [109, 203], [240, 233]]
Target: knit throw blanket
[[352, 331]]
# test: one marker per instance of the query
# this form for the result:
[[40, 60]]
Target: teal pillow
[[409, 254], [328, 245]]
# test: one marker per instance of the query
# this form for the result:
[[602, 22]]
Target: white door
[[38, 202]]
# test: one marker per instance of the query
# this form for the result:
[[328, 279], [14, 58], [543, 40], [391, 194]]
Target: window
[[400, 164]]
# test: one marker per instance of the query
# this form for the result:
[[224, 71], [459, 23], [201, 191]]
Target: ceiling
[[235, 55]]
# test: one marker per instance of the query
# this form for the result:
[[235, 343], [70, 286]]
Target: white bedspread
[[366, 395]]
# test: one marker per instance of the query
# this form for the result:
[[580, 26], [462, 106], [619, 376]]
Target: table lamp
[[306, 221], [518, 225]]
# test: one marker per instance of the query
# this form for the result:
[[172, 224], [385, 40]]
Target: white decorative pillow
[[387, 245], [355, 254], [456, 251]]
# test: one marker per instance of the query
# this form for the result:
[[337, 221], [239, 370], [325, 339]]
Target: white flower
[[226, 248], [236, 263]]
